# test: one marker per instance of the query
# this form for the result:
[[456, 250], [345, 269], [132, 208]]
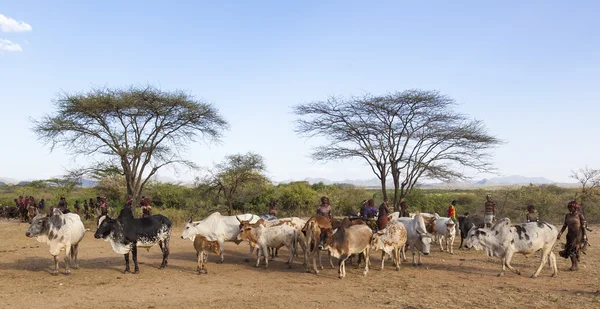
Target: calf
[[504, 239], [262, 237], [127, 233], [61, 232], [466, 222], [390, 240], [344, 242], [312, 230], [417, 237], [445, 232], [202, 245]]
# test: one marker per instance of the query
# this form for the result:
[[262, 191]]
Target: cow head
[[326, 238], [39, 226], [247, 230], [188, 230], [475, 238], [424, 236], [376, 242], [106, 225]]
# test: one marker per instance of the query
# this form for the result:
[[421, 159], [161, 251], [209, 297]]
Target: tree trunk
[[396, 196], [229, 207], [383, 187]]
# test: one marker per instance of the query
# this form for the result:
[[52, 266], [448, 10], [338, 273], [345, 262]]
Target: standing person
[[404, 209], [369, 215], [576, 235], [325, 208], [86, 209], [489, 211], [62, 205], [363, 206], [532, 215], [42, 205], [384, 211], [452, 214], [103, 206], [146, 208], [77, 207]]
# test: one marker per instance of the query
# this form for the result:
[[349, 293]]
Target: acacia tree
[[428, 139], [134, 131], [351, 129], [412, 134], [235, 173], [589, 179]]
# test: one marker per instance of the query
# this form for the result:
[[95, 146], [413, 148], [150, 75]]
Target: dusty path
[[465, 279]]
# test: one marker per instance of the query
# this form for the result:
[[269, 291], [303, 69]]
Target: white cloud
[[8, 24], [6, 45]]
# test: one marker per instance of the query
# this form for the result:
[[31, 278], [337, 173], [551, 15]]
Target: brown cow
[[202, 245], [344, 242], [312, 231]]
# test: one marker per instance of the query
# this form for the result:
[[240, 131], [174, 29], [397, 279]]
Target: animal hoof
[[221, 262], [380, 268], [67, 273], [125, 271], [54, 273], [415, 264], [75, 266], [197, 272], [420, 264], [500, 275], [321, 267], [255, 265], [518, 272], [533, 276], [245, 260], [553, 275], [162, 266], [137, 271], [290, 266], [397, 268]]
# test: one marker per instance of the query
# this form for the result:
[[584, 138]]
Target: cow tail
[[295, 246]]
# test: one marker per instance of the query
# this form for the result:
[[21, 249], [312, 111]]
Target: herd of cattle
[[342, 239]]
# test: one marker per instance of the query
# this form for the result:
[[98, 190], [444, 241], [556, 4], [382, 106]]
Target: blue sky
[[529, 69]]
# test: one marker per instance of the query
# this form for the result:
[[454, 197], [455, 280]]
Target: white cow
[[417, 237], [504, 239], [61, 232], [262, 237], [445, 232], [390, 240], [298, 224], [217, 227]]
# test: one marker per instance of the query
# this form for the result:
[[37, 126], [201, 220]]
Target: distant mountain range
[[369, 183], [486, 182], [11, 181]]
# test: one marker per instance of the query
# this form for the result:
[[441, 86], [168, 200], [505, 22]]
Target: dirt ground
[[465, 279]]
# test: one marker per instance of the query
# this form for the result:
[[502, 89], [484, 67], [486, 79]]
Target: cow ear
[[190, 220], [261, 221]]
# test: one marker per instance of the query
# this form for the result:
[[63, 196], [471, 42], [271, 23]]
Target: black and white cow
[[504, 239], [127, 233], [61, 232]]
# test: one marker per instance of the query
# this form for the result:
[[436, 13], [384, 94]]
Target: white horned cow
[[297, 224], [345, 241], [504, 239], [61, 232], [262, 237], [417, 237], [445, 231], [390, 241], [217, 227]]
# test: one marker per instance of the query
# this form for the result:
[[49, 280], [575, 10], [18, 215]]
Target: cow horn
[[238, 219]]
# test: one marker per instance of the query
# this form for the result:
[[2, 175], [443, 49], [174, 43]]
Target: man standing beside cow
[[489, 211]]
